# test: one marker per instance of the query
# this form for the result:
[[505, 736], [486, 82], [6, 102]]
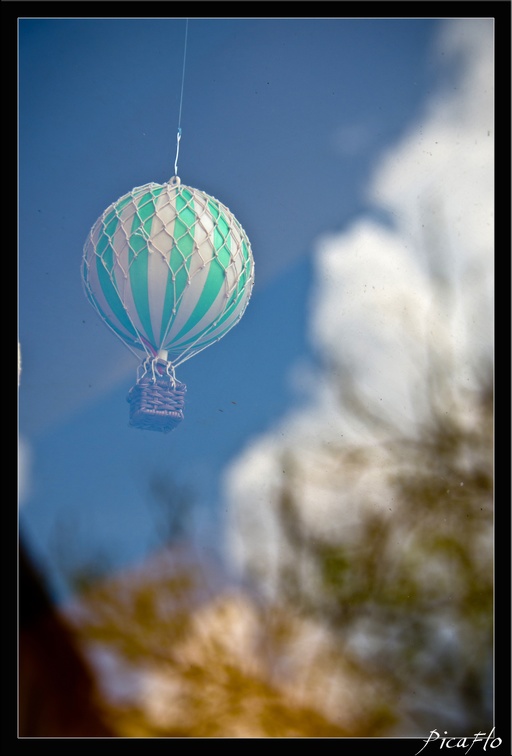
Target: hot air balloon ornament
[[170, 271]]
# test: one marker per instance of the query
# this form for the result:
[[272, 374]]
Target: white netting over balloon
[[170, 271]]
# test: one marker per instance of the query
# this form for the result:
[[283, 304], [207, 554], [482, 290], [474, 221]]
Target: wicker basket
[[156, 403]]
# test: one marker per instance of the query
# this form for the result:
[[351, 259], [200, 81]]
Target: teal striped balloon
[[169, 269]]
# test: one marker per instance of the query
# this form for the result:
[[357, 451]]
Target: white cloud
[[438, 183], [388, 298], [24, 465]]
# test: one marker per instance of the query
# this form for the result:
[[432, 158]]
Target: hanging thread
[[178, 135]]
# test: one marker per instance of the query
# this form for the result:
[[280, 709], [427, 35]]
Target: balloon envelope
[[169, 269]]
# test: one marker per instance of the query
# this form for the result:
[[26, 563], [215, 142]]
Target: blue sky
[[283, 120]]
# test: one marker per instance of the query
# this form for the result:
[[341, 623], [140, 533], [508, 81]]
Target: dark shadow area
[[58, 696]]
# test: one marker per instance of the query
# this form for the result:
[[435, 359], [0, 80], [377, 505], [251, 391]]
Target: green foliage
[[409, 594]]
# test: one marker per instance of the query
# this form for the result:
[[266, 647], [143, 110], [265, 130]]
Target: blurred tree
[[388, 542], [408, 592], [197, 667], [381, 625]]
